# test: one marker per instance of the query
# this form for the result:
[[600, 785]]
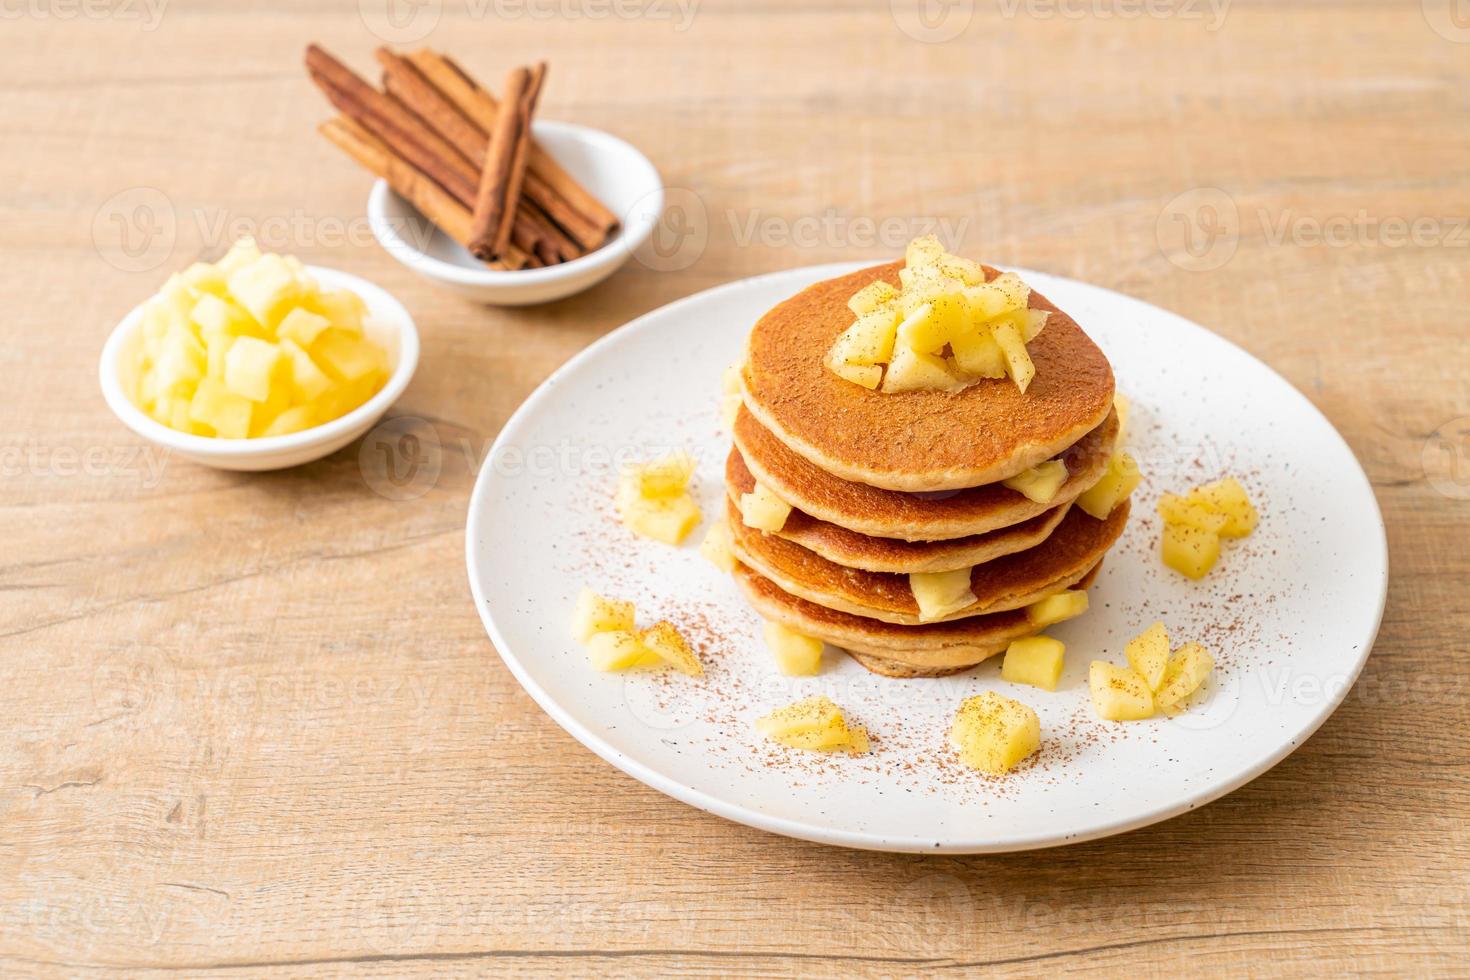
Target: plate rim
[[817, 833]]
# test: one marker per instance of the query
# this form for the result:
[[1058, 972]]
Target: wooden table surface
[[253, 721]]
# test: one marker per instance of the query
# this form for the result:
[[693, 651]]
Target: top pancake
[[918, 440]]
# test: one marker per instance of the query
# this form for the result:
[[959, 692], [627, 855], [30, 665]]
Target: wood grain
[[254, 722]]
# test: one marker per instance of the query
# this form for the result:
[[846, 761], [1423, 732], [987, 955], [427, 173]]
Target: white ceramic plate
[[1290, 612]]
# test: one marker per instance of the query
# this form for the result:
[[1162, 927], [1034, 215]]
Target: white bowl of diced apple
[[308, 405]]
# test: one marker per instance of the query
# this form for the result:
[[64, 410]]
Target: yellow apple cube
[[814, 724], [1018, 361], [595, 614], [993, 733], [716, 547], [868, 341], [346, 357], [1016, 292], [763, 510], [1040, 483], [1123, 406], [267, 288], [180, 363], [976, 353], [875, 295], [664, 477], [308, 382], [294, 419], [1187, 670], [1032, 324], [729, 411], [670, 646], [1036, 660], [217, 315], [940, 594], [986, 301], [666, 519], [1148, 654], [205, 278], [1057, 608], [1175, 509], [342, 308], [302, 326], [1119, 480], [796, 655], [923, 251], [244, 252], [216, 346], [250, 365], [867, 375], [912, 371], [216, 406], [967, 271], [1228, 497], [619, 650], [1119, 693], [1189, 550]]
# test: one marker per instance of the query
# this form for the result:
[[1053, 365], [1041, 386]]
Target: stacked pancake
[[883, 486]]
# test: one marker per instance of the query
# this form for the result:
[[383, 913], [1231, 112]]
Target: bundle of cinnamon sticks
[[465, 159]]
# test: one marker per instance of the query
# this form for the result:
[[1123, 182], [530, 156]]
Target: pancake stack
[[885, 485]]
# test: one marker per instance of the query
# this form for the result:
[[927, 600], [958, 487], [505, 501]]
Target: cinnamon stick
[[391, 123], [505, 166], [554, 190], [431, 200]]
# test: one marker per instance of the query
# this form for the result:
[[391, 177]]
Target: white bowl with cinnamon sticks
[[475, 195]]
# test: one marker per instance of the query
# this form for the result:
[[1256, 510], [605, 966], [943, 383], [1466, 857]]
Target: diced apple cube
[[986, 301], [976, 353], [730, 382], [912, 371], [244, 252], [344, 309], [763, 510], [1057, 608], [302, 326], [267, 288], [967, 271], [1187, 670], [669, 644], [1148, 654], [866, 375], [814, 723], [873, 296], [216, 406], [1122, 405], [1229, 498], [923, 251], [294, 419], [1119, 693], [276, 401], [664, 477], [869, 340], [796, 655], [1035, 660], [716, 547], [308, 382], [1018, 361], [993, 733], [1119, 480], [250, 365], [1034, 323], [729, 411], [1017, 293], [940, 594], [596, 614], [345, 357], [619, 650], [1189, 550], [180, 361], [205, 278], [666, 519], [1175, 509], [216, 346], [1040, 483], [927, 329]]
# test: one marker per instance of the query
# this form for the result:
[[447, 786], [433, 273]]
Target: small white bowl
[[616, 173], [388, 324]]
